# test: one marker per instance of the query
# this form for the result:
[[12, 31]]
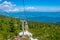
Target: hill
[[10, 27]]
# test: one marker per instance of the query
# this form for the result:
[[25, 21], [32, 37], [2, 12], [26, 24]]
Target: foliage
[[45, 31], [10, 27]]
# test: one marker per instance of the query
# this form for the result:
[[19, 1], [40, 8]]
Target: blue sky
[[17, 2], [36, 2], [42, 2], [30, 5]]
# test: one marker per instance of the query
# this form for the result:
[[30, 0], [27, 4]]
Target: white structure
[[26, 32]]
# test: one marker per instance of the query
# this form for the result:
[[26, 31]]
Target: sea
[[51, 17]]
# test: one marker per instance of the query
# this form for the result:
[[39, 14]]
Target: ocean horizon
[[35, 16]]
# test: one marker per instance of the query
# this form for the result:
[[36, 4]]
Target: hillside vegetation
[[10, 27]]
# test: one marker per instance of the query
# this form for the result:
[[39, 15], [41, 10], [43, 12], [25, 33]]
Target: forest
[[10, 27]]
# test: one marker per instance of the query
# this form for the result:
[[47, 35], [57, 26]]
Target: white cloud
[[10, 7], [43, 9], [30, 8]]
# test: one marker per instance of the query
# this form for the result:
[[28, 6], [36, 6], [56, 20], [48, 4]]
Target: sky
[[30, 5], [35, 2]]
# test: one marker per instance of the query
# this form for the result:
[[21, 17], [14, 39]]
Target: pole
[[23, 19], [23, 28]]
